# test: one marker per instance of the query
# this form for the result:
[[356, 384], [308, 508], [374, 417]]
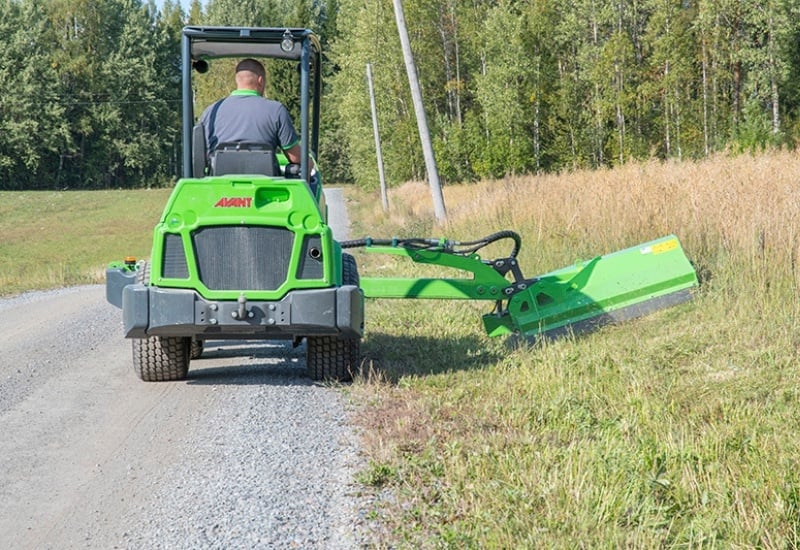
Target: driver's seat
[[243, 158], [231, 158]]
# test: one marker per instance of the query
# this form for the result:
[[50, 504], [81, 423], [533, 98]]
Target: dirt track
[[246, 453]]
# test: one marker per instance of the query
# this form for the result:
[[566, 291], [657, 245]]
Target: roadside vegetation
[[674, 430]]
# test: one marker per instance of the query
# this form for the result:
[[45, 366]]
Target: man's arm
[[293, 153]]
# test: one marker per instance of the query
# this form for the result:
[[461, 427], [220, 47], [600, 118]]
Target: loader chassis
[[238, 254]]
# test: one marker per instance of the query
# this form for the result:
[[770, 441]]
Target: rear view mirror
[[201, 66]]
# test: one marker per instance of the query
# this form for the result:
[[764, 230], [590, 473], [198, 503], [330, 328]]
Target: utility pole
[[384, 198], [422, 120]]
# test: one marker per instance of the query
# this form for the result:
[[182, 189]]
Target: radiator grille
[[243, 257]]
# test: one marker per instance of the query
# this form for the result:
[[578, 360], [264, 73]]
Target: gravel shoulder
[[246, 453]]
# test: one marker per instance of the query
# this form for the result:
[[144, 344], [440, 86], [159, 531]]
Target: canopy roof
[[214, 42]]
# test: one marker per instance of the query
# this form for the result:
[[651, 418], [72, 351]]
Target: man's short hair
[[251, 65]]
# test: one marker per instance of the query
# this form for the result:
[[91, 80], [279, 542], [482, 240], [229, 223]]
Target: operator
[[246, 116]]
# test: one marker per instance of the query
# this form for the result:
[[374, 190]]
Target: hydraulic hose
[[453, 247]]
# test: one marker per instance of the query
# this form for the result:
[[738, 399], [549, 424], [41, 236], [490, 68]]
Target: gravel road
[[246, 453]]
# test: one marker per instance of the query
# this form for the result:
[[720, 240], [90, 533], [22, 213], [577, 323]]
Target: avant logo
[[234, 202]]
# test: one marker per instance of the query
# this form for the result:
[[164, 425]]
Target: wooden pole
[[422, 120], [382, 176]]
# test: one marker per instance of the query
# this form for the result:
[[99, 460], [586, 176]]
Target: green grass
[[676, 430], [57, 238], [673, 430]]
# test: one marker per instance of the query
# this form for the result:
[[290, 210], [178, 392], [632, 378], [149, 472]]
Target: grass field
[[57, 238], [677, 430]]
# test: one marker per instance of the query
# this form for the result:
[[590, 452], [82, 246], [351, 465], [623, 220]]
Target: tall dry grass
[[738, 218], [676, 430], [745, 205]]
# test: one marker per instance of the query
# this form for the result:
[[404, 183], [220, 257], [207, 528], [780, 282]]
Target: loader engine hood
[[228, 235]]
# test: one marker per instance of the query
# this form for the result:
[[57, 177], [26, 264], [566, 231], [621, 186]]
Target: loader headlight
[[287, 42]]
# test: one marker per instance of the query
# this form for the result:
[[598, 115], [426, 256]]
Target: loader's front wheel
[[331, 357], [160, 358]]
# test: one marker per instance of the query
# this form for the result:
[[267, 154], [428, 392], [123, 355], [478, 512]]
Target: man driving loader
[[246, 119]]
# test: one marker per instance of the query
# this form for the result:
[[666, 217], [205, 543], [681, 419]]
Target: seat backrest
[[242, 158]]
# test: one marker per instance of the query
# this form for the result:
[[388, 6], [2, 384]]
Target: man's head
[[250, 75]]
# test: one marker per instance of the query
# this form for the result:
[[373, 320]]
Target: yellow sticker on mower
[[661, 248]]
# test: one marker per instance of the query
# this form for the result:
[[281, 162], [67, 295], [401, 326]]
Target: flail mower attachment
[[609, 288]]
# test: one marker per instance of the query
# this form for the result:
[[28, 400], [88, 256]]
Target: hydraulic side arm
[[488, 281]]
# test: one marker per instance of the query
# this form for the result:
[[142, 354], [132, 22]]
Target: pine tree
[[32, 113]]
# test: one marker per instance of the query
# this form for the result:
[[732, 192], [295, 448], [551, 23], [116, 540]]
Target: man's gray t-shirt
[[246, 116]]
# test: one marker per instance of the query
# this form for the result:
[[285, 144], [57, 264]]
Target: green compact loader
[[243, 250]]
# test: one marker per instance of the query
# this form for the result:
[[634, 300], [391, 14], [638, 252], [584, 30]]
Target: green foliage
[[91, 100], [501, 91], [755, 132], [33, 126], [245, 13], [518, 86], [90, 97]]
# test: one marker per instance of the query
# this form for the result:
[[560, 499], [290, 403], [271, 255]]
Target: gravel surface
[[246, 453], [269, 462]]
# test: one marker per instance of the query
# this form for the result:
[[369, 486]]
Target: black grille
[[243, 257], [173, 262]]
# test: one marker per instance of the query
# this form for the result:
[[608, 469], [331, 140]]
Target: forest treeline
[[90, 89]]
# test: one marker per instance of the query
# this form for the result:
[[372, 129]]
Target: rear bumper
[[153, 311]]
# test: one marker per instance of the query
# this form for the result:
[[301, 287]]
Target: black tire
[[160, 358], [349, 270], [331, 357], [197, 349]]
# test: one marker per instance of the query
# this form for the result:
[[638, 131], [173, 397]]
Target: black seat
[[244, 158]]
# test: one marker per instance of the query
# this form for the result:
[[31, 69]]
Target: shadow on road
[[388, 357], [248, 362]]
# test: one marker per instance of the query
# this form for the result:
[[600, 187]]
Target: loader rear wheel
[[160, 358], [332, 357]]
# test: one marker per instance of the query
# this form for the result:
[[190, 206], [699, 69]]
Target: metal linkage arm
[[488, 281]]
